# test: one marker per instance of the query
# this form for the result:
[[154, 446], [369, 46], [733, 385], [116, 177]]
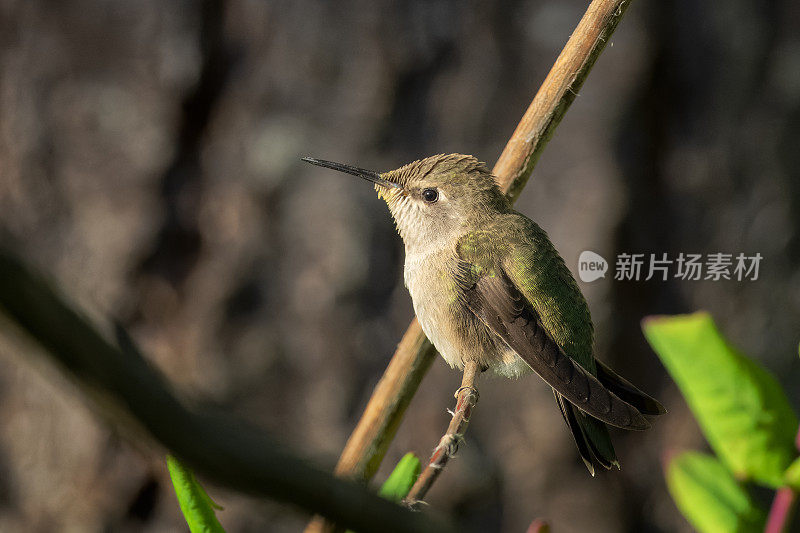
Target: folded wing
[[499, 304]]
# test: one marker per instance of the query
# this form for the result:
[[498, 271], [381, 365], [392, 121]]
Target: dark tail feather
[[577, 434], [623, 389], [596, 434], [591, 436]]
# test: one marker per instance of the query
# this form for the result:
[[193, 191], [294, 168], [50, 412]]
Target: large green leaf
[[196, 505], [401, 479], [740, 407], [709, 497]]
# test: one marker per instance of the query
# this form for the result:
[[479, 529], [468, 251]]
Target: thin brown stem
[[375, 430], [783, 505], [466, 399]]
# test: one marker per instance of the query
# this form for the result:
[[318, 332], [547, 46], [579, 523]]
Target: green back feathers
[[524, 252]]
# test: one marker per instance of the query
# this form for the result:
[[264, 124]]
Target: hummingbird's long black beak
[[368, 175]]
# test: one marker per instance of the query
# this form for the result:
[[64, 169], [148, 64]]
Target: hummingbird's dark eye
[[430, 195]]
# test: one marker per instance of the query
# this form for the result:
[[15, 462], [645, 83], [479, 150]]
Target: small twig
[[781, 511], [783, 505], [466, 399]]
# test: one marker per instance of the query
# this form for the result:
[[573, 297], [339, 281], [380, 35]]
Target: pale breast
[[449, 325], [425, 277]]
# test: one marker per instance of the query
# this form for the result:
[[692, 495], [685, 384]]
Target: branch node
[[471, 389]]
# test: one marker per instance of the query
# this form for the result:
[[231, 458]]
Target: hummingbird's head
[[436, 198]]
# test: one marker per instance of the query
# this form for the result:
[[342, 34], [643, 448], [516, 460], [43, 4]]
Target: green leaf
[[196, 505], [792, 475], [740, 407], [400, 481], [709, 497]]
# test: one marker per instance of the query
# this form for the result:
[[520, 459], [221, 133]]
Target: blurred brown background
[[149, 162]]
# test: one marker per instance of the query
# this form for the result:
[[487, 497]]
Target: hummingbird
[[489, 288]]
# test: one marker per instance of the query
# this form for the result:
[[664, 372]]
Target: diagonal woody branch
[[369, 441], [556, 94]]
